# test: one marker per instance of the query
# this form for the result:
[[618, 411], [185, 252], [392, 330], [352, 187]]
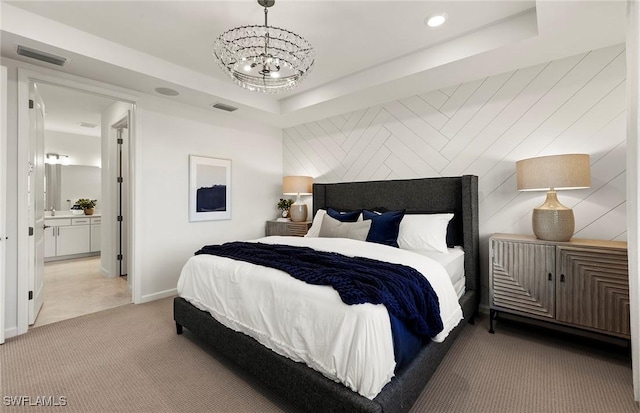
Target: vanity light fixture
[[56, 159]]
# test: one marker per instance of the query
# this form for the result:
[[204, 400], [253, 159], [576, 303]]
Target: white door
[[36, 203]]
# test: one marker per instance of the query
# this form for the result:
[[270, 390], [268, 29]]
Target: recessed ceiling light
[[436, 20], [167, 91]]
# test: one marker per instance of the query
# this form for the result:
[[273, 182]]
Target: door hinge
[[119, 218], [30, 104], [119, 258], [119, 179], [30, 295], [120, 141], [30, 231]]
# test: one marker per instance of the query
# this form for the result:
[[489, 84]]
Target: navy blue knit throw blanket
[[403, 290]]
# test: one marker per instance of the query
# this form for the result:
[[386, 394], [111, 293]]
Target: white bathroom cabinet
[[66, 237]]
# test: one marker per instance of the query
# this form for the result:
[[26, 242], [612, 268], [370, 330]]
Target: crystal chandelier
[[264, 58]]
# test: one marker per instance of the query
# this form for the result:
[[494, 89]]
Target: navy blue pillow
[[347, 216], [384, 226]]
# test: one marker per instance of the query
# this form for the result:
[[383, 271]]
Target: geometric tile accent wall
[[571, 105], [483, 127]]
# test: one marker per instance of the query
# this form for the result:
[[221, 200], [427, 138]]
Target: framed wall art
[[209, 188]]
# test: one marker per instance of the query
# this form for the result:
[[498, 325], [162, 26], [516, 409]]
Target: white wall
[[170, 133], [167, 133], [575, 104], [633, 193]]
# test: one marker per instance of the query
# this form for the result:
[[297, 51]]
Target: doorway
[[79, 249], [72, 281]]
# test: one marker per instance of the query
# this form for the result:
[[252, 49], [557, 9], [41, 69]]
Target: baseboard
[[483, 309], [105, 272], [156, 296], [73, 256], [10, 332]]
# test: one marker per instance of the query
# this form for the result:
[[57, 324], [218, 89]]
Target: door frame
[[123, 122], [25, 76], [3, 193]]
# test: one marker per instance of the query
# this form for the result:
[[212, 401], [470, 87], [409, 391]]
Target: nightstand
[[580, 283], [287, 228]]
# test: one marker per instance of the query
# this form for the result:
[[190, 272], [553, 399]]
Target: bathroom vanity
[[71, 236]]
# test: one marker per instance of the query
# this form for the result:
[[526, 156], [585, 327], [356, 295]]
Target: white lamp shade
[[297, 185], [571, 171]]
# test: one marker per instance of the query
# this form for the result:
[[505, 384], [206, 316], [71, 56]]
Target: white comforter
[[350, 344]]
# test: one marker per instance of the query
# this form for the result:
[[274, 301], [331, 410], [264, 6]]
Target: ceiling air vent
[[88, 125], [222, 106], [42, 56]]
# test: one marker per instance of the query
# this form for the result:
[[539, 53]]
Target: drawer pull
[[561, 278], [550, 276]]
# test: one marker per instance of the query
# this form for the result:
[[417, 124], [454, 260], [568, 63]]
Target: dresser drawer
[[80, 221], [57, 222], [287, 228]]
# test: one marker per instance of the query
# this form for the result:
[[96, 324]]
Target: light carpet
[[129, 359]]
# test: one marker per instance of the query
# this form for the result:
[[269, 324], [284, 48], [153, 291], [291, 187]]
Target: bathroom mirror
[[65, 184]]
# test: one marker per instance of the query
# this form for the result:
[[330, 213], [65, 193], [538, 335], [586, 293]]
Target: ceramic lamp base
[[298, 212], [553, 221]]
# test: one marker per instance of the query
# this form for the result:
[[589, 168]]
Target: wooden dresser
[[580, 283]]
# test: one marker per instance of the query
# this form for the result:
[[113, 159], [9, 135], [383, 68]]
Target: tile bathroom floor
[[77, 287]]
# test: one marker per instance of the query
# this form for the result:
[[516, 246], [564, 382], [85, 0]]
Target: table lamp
[[297, 185], [553, 221]]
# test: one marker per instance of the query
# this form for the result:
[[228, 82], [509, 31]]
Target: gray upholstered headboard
[[417, 196]]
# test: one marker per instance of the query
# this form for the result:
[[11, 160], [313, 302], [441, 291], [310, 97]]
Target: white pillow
[[333, 228], [424, 232], [314, 231]]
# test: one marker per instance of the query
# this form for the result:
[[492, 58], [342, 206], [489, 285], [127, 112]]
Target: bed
[[305, 387]]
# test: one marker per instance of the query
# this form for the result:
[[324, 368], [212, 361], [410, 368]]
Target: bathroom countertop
[[65, 214]]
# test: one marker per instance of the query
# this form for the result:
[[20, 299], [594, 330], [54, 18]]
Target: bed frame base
[[306, 388]]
